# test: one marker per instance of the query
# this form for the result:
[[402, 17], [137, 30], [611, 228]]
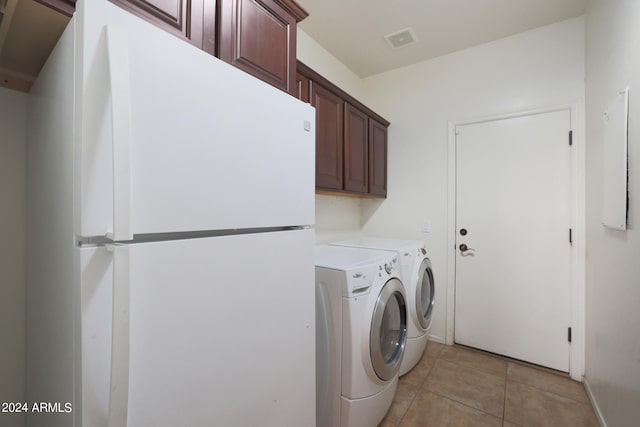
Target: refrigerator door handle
[[118, 58], [120, 338]]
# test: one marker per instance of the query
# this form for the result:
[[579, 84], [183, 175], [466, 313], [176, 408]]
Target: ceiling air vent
[[401, 38]]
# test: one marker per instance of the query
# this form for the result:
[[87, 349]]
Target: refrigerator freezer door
[[222, 331], [174, 140]]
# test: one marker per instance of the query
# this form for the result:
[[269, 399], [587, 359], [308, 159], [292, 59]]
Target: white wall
[[538, 68], [337, 217], [612, 370], [13, 111], [320, 60]]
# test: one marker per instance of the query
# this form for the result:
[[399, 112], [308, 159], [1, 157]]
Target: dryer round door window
[[388, 334], [425, 297]]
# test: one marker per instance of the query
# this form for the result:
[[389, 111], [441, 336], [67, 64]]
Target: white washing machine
[[417, 277], [361, 333]]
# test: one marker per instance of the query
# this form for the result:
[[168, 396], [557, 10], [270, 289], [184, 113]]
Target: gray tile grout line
[[517, 362], [506, 380], [421, 383], [414, 397], [419, 387], [437, 357], [540, 369], [462, 403], [524, 364], [552, 392], [491, 356], [449, 398]]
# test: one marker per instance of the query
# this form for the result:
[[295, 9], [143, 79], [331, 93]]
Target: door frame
[[577, 185]]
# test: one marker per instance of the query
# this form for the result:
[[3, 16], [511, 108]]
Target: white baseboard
[[594, 403], [436, 338]]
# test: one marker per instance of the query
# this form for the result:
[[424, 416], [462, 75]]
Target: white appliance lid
[[382, 243], [348, 258]]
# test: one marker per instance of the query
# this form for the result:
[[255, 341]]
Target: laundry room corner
[[531, 70], [12, 251], [337, 217]]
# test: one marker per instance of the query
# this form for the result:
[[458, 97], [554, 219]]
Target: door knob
[[465, 248]]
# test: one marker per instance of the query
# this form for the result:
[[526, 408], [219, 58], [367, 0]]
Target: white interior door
[[513, 214]]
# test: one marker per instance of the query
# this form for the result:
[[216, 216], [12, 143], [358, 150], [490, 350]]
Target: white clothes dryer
[[417, 277], [361, 333]]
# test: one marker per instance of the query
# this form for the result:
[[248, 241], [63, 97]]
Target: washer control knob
[[388, 268], [424, 252]]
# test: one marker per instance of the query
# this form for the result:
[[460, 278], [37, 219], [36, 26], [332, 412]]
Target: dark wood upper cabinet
[[183, 18], [329, 138], [303, 88], [191, 20], [66, 7], [356, 150], [377, 158], [259, 37], [351, 139]]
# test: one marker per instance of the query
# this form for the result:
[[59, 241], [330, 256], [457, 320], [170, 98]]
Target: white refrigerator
[[170, 236]]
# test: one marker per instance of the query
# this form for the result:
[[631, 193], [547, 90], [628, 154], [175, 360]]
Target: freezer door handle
[[119, 383], [118, 58]]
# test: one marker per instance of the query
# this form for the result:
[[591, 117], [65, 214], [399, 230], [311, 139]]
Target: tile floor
[[456, 386]]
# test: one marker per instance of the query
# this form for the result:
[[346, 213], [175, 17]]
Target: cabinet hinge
[[569, 334], [570, 137]]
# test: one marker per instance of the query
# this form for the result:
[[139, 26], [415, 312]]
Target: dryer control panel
[[360, 281]]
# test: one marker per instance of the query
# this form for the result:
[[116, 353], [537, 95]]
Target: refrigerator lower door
[[221, 331]]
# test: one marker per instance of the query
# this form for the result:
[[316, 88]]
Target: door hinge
[[571, 236], [570, 137], [569, 334]]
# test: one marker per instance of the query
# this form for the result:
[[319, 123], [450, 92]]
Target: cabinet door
[[259, 37], [66, 7], [356, 150], [184, 18], [329, 137], [377, 158], [302, 83]]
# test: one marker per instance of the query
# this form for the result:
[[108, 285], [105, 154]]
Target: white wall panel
[[13, 113], [320, 60], [612, 341], [539, 68], [337, 217]]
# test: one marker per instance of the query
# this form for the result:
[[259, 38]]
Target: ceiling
[[28, 33], [353, 30]]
